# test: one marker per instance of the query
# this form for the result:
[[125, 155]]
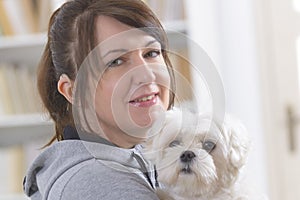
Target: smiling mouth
[[143, 99]]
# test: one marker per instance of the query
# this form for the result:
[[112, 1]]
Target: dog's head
[[195, 156]]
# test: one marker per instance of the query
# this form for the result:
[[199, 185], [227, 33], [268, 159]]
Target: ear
[[65, 87], [238, 141]]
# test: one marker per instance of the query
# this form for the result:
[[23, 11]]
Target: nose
[[143, 71], [187, 156]]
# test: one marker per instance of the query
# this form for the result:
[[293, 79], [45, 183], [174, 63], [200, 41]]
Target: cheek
[[163, 79], [162, 75], [104, 94], [112, 98], [102, 99]]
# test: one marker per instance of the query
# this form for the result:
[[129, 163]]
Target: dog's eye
[[174, 143], [208, 146]]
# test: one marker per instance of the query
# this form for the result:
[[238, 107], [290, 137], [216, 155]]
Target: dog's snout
[[187, 156]]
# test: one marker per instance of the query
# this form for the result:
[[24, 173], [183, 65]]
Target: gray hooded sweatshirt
[[77, 169]]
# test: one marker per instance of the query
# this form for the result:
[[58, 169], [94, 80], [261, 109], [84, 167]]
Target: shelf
[[19, 129], [14, 197], [25, 49]]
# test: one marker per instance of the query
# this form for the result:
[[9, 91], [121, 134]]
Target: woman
[[104, 78]]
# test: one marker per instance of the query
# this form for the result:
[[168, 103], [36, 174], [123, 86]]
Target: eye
[[115, 62], [208, 146], [174, 143], [152, 54]]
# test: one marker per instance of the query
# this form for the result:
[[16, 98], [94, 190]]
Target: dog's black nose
[[187, 156]]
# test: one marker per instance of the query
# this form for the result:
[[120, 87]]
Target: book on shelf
[[16, 160], [17, 17], [44, 10], [5, 25], [6, 172], [5, 100], [30, 16], [17, 90], [26, 16]]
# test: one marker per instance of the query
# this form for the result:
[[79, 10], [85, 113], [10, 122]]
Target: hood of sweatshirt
[[56, 159]]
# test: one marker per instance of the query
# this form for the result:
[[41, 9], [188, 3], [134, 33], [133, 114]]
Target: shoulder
[[97, 180]]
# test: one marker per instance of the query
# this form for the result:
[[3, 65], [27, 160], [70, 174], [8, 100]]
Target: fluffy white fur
[[185, 169]]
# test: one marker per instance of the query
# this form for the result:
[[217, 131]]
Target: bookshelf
[[22, 129]]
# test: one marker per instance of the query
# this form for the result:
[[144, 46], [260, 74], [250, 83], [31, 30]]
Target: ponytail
[[54, 102]]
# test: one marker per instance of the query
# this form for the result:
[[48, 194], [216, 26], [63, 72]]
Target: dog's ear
[[239, 148], [238, 142]]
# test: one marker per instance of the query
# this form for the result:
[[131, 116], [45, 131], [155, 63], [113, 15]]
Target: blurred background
[[254, 45]]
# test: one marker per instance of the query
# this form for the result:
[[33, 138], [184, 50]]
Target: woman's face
[[133, 90]]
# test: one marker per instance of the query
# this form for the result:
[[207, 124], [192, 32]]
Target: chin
[[145, 117], [197, 158]]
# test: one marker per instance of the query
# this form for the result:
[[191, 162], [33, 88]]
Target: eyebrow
[[114, 51], [125, 50], [151, 42]]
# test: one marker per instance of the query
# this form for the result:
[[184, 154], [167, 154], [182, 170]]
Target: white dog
[[197, 159]]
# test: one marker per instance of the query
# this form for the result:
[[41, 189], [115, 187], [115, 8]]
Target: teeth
[[145, 98]]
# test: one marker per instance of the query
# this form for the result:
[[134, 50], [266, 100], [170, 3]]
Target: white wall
[[240, 71], [230, 41]]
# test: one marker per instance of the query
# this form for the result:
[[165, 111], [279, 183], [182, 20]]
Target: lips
[[145, 100]]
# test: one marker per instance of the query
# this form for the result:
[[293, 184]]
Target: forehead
[[113, 34], [108, 26], [200, 130]]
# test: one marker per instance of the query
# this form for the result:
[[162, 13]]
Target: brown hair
[[71, 37]]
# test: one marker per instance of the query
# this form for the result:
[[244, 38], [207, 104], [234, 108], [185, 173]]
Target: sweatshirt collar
[[71, 133]]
